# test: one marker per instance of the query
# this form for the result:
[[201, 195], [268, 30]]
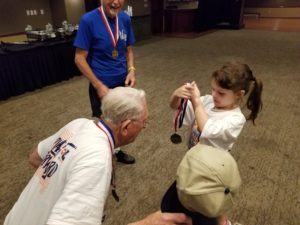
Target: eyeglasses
[[144, 122]]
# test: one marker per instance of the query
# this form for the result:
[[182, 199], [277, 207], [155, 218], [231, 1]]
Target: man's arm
[[130, 79], [34, 158], [159, 218], [85, 69]]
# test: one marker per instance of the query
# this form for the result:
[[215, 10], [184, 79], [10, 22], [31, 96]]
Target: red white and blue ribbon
[[114, 38], [107, 131]]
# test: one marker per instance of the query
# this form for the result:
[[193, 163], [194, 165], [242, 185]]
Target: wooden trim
[[265, 17], [273, 7], [272, 4], [180, 20], [13, 34]]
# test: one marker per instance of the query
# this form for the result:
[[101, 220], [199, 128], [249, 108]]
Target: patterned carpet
[[267, 154]]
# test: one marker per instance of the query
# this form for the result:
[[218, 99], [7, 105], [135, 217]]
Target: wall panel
[[13, 16]]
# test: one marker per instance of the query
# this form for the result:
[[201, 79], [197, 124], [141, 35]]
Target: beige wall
[[139, 7], [14, 18], [70, 10], [13, 14], [275, 12], [58, 12], [74, 10]]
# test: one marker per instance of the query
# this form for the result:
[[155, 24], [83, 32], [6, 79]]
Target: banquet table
[[30, 66]]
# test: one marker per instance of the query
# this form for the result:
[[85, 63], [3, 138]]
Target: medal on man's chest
[[115, 54], [114, 37]]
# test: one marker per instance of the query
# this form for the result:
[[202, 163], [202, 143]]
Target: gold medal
[[115, 54], [114, 38]]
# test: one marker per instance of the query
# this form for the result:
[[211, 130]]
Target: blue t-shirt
[[93, 37]]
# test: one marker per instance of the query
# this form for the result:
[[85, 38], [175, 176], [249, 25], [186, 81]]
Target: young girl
[[216, 119]]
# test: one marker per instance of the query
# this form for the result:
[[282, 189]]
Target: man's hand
[[82, 64], [34, 158], [130, 79], [159, 218], [102, 90]]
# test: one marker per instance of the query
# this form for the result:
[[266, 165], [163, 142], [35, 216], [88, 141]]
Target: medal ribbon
[[111, 142], [114, 38], [180, 114]]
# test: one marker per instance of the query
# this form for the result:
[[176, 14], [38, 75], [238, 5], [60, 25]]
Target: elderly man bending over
[[75, 167]]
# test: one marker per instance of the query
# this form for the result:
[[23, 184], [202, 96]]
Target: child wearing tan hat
[[206, 184]]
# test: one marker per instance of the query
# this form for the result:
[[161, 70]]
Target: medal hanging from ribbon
[[114, 38], [176, 138]]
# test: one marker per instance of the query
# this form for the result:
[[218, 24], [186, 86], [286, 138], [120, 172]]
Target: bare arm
[[130, 79], [159, 218], [34, 158], [85, 69], [200, 114]]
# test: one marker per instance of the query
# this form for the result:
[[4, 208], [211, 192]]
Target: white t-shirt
[[221, 129], [72, 183]]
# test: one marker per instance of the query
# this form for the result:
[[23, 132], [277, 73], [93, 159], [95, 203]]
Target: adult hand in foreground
[[159, 218]]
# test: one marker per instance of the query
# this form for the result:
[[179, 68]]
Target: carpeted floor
[[267, 154]]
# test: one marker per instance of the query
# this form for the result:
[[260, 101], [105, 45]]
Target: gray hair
[[123, 103]]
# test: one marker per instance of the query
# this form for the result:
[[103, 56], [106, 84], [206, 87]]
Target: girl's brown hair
[[237, 76]]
